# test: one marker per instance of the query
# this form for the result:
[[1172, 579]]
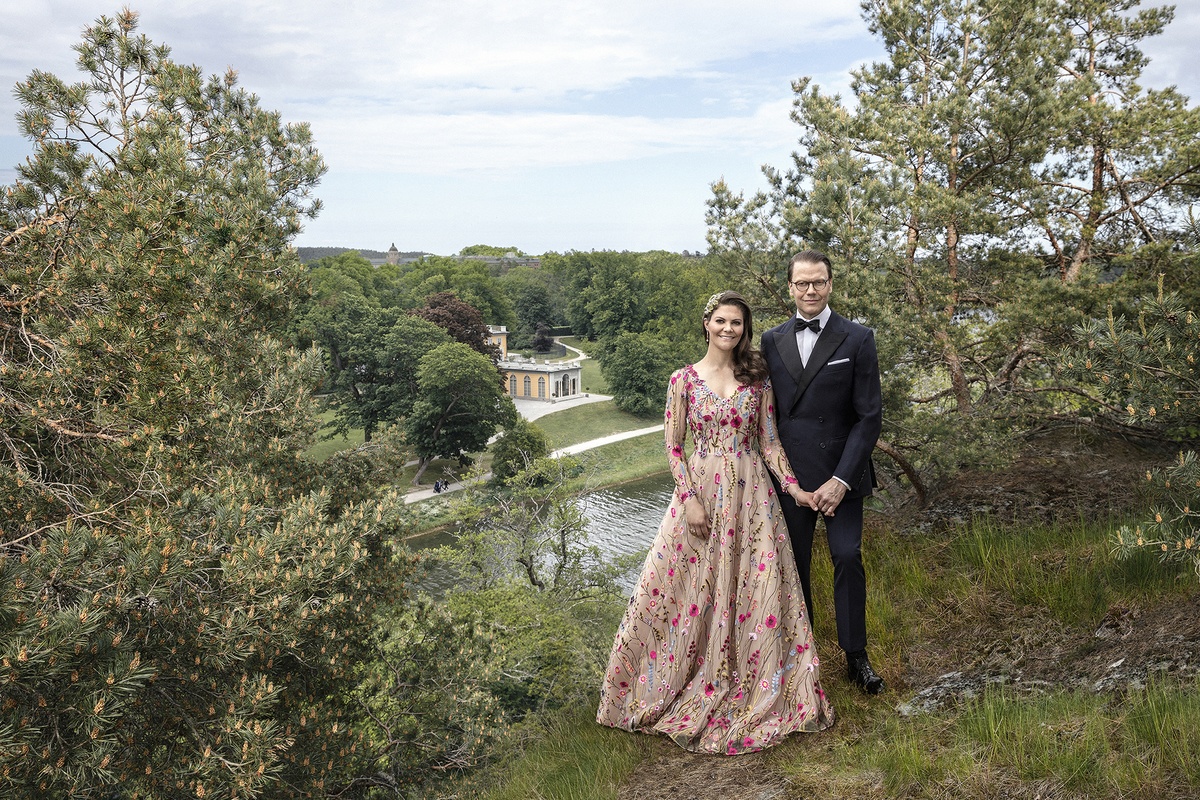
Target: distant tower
[[393, 255]]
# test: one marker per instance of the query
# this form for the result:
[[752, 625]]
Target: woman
[[715, 649]]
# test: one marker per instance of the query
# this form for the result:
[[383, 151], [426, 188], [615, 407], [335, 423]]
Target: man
[[829, 411]]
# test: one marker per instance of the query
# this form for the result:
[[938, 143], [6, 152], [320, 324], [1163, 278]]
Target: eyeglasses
[[802, 286]]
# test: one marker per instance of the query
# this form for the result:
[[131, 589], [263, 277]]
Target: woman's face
[[725, 327]]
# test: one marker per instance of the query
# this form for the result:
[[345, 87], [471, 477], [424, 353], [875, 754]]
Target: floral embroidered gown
[[715, 649]]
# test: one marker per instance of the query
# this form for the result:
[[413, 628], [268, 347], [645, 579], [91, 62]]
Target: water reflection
[[621, 520]]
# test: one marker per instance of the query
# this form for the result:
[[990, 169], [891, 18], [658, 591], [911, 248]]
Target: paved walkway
[[425, 494], [616, 437], [533, 409]]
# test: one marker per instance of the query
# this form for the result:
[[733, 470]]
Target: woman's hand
[[697, 520], [801, 497]]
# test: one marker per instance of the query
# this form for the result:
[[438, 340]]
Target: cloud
[[438, 99], [530, 48], [1174, 60], [445, 143], [534, 49], [425, 86]]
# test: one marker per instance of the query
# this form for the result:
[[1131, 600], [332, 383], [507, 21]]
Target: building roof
[[517, 363]]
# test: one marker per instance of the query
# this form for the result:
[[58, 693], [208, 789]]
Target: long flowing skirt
[[715, 649]]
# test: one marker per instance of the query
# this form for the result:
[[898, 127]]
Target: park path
[[424, 494], [533, 409]]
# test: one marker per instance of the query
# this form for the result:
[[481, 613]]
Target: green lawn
[[591, 380], [590, 377], [624, 461], [587, 422], [324, 448], [578, 343]]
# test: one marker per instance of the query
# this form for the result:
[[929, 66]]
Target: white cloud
[[419, 91], [446, 143], [1174, 59], [540, 47]]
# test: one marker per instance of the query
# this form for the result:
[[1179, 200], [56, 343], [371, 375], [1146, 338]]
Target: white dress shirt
[[806, 338]]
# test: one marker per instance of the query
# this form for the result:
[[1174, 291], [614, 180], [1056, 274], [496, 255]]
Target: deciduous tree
[[374, 368], [461, 320], [521, 444], [461, 404], [637, 367]]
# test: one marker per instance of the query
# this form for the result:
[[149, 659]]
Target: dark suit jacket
[[829, 413]]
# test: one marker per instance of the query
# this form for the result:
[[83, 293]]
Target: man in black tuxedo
[[829, 411]]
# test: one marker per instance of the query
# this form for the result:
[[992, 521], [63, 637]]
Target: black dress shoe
[[859, 671]]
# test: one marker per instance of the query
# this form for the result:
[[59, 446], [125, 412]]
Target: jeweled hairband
[[713, 302]]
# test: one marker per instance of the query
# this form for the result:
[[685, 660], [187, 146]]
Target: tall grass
[[1068, 570], [1059, 738], [1161, 725], [574, 759]]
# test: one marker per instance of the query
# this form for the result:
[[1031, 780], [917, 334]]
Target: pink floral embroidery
[[673, 692]]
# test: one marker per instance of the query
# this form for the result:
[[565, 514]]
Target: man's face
[[810, 301]]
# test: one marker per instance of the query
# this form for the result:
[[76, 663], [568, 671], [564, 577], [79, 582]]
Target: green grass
[[1067, 569], [1061, 738], [590, 377], [587, 422], [579, 344], [324, 448], [1161, 723], [624, 461], [575, 759]]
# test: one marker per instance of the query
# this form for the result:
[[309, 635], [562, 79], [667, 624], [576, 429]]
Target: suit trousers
[[844, 533]]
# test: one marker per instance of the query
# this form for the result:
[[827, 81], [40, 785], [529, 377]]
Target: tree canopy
[[998, 179], [461, 403]]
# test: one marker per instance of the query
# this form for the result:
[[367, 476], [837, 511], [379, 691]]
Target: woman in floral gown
[[715, 649]]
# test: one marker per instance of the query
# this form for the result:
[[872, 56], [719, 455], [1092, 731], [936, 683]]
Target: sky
[[544, 125]]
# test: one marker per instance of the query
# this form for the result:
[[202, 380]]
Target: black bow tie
[[813, 325]]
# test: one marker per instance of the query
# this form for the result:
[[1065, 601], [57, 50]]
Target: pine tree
[[178, 612]]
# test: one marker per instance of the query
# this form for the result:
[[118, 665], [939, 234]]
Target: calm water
[[625, 518], [621, 520]]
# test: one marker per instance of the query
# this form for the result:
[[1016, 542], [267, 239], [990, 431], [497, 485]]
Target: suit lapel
[[789, 351], [827, 343]]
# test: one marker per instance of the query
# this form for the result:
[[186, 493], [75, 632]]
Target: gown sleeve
[[675, 431], [768, 438]]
